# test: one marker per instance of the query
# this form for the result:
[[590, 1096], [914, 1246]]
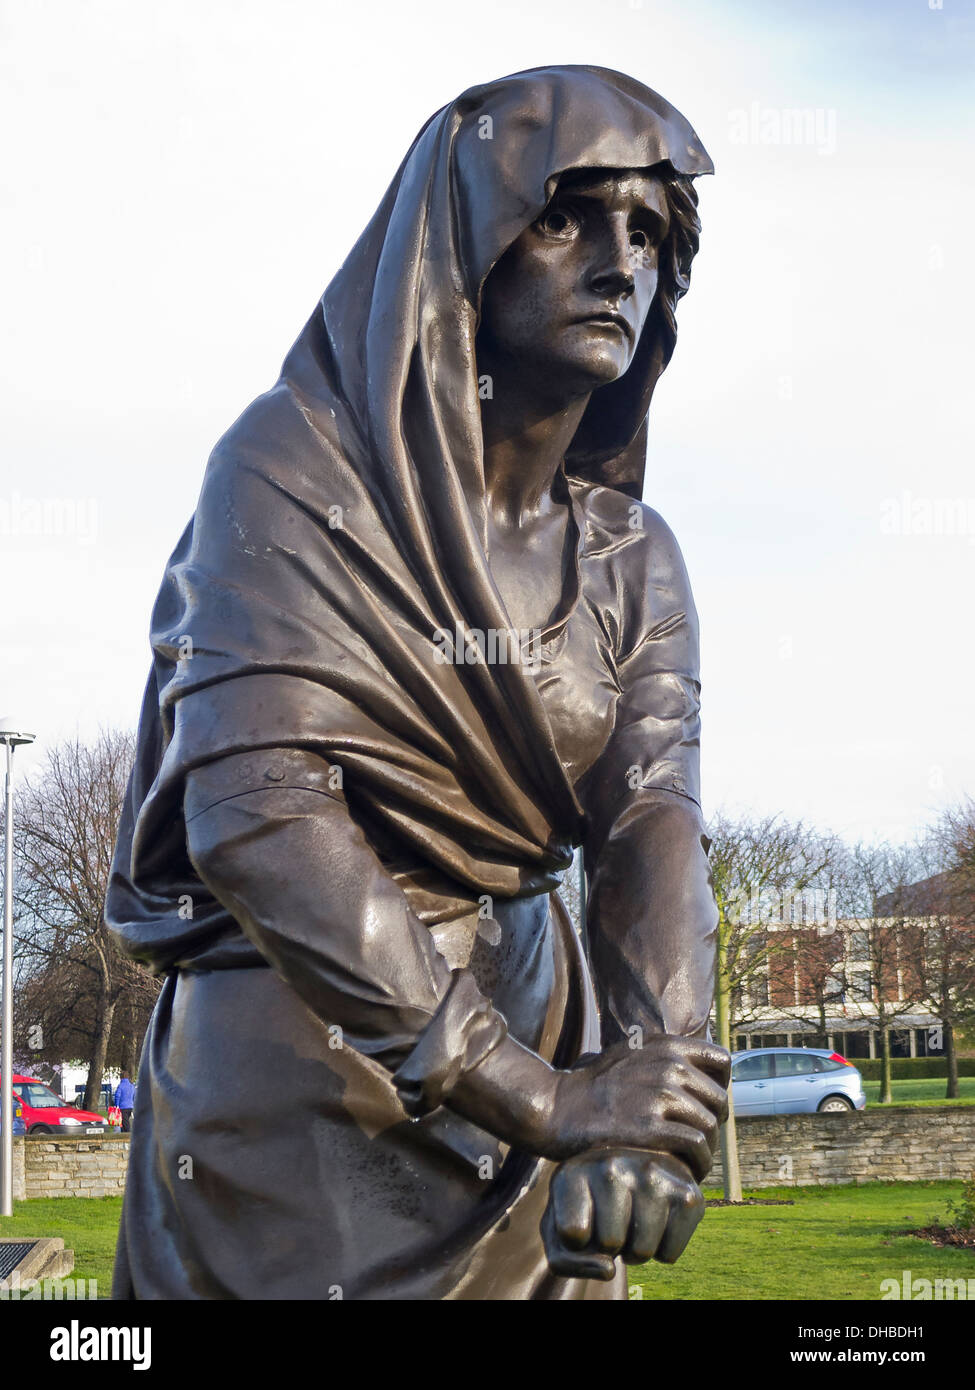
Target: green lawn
[[87, 1225], [926, 1091], [835, 1243]]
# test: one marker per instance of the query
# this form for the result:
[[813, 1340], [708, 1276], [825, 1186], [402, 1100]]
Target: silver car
[[793, 1081]]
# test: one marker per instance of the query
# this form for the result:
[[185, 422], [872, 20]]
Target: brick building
[[837, 984]]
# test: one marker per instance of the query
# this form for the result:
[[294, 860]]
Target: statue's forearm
[[653, 921]]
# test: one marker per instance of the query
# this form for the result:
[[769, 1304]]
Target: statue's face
[[569, 298]]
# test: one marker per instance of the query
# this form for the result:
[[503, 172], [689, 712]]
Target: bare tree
[[808, 973], [763, 871], [882, 971], [955, 835], [68, 818], [940, 910], [772, 881], [56, 1014]]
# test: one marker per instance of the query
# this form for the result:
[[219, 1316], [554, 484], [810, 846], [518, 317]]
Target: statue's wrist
[[511, 1094]]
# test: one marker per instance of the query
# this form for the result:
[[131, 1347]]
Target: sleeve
[[652, 919], [273, 840]]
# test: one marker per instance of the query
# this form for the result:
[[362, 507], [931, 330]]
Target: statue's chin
[[589, 376], [598, 366], [575, 377], [566, 374]]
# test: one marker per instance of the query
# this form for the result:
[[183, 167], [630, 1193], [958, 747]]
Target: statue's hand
[[669, 1096], [622, 1202]]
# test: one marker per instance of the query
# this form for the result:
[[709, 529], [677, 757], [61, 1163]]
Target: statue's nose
[[614, 282], [612, 274]]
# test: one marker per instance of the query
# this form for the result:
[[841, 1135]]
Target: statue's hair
[[677, 251]]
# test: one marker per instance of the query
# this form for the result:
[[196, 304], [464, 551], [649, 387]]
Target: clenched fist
[[618, 1202]]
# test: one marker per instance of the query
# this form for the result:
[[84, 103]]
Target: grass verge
[[835, 1243], [924, 1091], [87, 1225]]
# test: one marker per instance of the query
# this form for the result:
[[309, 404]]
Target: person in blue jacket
[[125, 1100]]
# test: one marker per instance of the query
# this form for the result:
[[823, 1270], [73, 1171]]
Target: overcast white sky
[[182, 179]]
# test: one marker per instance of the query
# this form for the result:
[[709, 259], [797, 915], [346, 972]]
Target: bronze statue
[[419, 640]]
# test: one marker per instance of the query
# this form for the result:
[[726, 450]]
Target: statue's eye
[[646, 237], [558, 222]]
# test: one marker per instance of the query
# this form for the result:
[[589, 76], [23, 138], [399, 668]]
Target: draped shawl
[[341, 524]]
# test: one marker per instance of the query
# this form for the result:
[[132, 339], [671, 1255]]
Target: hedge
[[908, 1068]]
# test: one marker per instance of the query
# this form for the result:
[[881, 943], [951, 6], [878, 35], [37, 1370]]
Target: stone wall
[[909, 1143], [59, 1167]]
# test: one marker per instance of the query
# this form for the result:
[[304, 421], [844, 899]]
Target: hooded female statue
[[419, 640]]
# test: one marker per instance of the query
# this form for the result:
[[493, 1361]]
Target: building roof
[[926, 898]]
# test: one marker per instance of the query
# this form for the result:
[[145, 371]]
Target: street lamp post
[[10, 736]]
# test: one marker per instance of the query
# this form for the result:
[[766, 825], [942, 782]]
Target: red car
[[46, 1113]]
